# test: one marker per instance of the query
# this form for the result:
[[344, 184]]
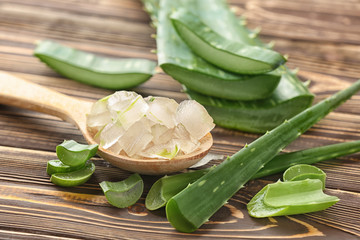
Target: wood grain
[[322, 39]]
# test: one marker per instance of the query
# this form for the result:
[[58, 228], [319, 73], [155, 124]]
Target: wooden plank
[[28, 199], [321, 38]]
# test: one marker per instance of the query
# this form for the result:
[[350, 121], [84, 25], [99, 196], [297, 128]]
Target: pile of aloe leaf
[[241, 81]]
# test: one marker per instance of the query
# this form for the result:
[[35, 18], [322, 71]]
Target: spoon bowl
[[21, 93]]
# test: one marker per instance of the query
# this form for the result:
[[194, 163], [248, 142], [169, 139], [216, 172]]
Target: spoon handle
[[21, 93]]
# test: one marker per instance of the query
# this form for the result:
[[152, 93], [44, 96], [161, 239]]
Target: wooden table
[[322, 38]]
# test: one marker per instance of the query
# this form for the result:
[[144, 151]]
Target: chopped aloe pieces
[[154, 127], [228, 177], [56, 166], [177, 60], [124, 193], [74, 154], [88, 68], [289, 98], [308, 156], [289, 198], [304, 171], [230, 55], [168, 186], [75, 178]]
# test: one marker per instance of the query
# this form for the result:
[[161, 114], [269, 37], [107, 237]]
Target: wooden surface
[[322, 38]]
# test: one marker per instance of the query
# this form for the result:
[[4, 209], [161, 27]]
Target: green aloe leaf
[[304, 171], [74, 154], [230, 55], [289, 198], [123, 193]]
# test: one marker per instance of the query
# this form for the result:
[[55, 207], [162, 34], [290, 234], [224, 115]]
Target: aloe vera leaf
[[229, 27], [227, 178], [75, 178], [289, 98], [308, 156], [88, 68], [168, 186], [56, 166], [289, 198], [226, 54], [218, 16], [156, 197], [123, 193], [178, 61], [304, 171], [247, 116], [74, 154]]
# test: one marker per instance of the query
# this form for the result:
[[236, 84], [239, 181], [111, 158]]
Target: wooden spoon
[[20, 93]]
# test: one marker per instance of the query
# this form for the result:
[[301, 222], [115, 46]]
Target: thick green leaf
[[308, 156], [289, 198], [168, 186], [289, 98], [75, 178], [227, 178], [230, 55], [110, 73], [177, 60], [304, 171], [74, 154], [123, 193], [56, 166]]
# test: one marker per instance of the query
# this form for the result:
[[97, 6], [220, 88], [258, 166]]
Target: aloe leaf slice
[[230, 55], [75, 178], [88, 68], [289, 198], [56, 166], [178, 61], [289, 98], [123, 193], [304, 171], [74, 154], [168, 186]]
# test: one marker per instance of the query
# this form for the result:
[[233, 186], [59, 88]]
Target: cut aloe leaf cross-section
[[74, 154], [168, 186], [230, 55], [289, 198], [75, 178], [56, 166], [123, 193], [304, 171]]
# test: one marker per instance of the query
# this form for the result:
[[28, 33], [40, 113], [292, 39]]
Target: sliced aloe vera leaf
[[289, 98], [75, 178], [230, 55], [304, 171], [308, 156], [289, 198], [168, 186], [177, 60], [88, 68], [303, 194], [123, 193], [56, 166], [74, 154]]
